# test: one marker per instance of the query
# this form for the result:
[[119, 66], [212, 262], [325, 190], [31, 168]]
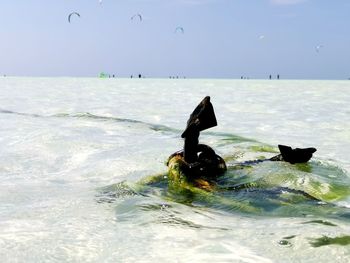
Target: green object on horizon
[[103, 75]]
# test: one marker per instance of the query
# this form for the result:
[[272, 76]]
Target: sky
[[297, 39]]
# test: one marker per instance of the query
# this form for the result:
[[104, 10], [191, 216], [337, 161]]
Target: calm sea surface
[[72, 152]]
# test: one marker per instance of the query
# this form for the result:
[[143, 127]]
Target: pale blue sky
[[222, 38]]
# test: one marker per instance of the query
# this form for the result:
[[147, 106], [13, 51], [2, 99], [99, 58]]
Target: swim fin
[[202, 118], [293, 156]]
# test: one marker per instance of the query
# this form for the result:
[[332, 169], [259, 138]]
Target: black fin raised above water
[[202, 118], [293, 156]]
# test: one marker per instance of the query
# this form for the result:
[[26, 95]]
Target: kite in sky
[[179, 29], [318, 48], [70, 15], [137, 16]]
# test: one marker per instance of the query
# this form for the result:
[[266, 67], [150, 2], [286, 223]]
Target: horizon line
[[167, 77]]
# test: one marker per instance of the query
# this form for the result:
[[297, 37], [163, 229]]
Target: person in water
[[200, 161]]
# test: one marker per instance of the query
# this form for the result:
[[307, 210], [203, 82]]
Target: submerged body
[[264, 187], [197, 174], [200, 165]]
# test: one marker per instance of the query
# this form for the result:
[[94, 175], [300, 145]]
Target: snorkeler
[[200, 161]]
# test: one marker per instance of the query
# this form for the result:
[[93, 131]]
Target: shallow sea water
[[73, 151]]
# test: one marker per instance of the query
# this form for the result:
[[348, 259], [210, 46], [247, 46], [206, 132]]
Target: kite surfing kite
[[318, 48], [70, 15], [137, 16], [179, 29]]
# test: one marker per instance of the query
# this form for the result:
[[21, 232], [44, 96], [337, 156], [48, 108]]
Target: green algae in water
[[230, 138], [326, 241], [234, 156], [111, 193], [284, 242], [328, 192], [322, 222], [290, 237], [265, 188], [263, 148]]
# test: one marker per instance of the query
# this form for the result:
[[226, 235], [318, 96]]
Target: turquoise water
[[74, 151]]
